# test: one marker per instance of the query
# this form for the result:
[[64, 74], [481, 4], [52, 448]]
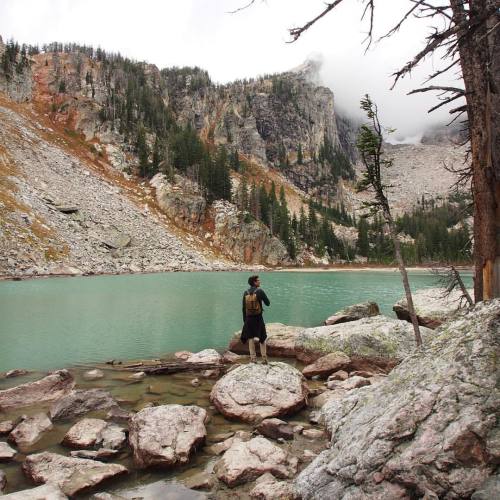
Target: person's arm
[[243, 307], [263, 297]]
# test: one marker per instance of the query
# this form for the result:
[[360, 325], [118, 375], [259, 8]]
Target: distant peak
[[310, 68]]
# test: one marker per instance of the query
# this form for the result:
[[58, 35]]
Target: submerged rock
[[326, 365], [159, 490], [245, 461], [93, 374], [376, 339], [94, 431], [30, 430], [253, 392], [353, 313], [19, 372], [80, 402], [280, 341], [6, 452], [50, 388], [166, 435], [45, 492], [431, 305], [429, 429], [72, 475]]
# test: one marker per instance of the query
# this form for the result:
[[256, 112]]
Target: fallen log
[[173, 367]]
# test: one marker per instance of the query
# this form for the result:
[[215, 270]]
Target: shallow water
[[59, 322], [132, 396]]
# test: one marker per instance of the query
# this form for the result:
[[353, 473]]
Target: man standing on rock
[[254, 327]]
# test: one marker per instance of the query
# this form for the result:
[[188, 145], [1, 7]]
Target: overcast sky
[[246, 44]]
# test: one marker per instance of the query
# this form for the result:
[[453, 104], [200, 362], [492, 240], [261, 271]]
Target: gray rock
[[351, 383], [16, 373], [6, 426], [280, 341], [268, 488], [245, 461], [30, 430], [93, 374], [166, 435], [103, 454], [165, 489], [50, 388], [376, 337], [431, 305], [85, 433], [115, 239], [275, 428], [313, 433], [72, 475], [326, 365], [254, 392], [353, 313], [200, 481], [489, 490], [81, 401], [430, 428], [6, 452], [205, 356], [44, 492]]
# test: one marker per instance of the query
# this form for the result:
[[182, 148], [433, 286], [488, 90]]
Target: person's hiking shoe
[[253, 360], [264, 361]]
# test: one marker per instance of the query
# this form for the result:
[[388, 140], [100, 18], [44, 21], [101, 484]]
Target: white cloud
[[249, 43]]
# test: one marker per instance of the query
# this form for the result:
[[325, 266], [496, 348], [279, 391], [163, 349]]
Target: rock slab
[[353, 313], [72, 475], [50, 388], [429, 429], [80, 402], [44, 492], [326, 365], [253, 392], [245, 461], [30, 430], [166, 435]]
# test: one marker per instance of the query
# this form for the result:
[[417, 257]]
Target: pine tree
[[300, 159], [142, 152], [362, 242]]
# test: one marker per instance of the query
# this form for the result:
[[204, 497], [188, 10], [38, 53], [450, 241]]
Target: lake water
[[59, 322]]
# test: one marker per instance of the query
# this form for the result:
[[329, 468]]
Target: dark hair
[[252, 280]]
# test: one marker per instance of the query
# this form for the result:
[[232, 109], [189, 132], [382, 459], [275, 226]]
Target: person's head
[[254, 281]]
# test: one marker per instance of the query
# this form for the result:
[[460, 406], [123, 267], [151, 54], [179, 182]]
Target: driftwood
[[173, 367]]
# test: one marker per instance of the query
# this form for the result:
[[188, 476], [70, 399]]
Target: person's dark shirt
[[261, 297]]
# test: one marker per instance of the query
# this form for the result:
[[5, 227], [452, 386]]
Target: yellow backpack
[[252, 304]]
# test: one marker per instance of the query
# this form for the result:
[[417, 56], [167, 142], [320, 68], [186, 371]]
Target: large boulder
[[50, 388], [81, 401], [430, 429], [253, 392], [245, 461], [280, 341], [432, 306], [44, 492], [353, 313], [166, 435], [72, 475], [30, 430], [377, 339]]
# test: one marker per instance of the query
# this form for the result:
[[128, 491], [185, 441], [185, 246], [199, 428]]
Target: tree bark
[[475, 60]]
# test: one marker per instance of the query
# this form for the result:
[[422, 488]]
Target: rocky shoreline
[[326, 418]]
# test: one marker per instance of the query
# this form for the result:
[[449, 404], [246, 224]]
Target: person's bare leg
[[263, 352], [251, 348]]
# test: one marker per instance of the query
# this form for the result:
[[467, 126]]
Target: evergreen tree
[[362, 243], [300, 159], [142, 152]]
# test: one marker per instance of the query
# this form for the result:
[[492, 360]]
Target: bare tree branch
[[296, 32], [249, 4], [455, 90]]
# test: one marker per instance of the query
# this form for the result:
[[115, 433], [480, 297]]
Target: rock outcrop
[[166, 435], [280, 341], [432, 306], [377, 338], [245, 461], [429, 429], [72, 475], [254, 392], [50, 388], [353, 313]]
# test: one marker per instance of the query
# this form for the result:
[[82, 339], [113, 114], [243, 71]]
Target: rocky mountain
[[76, 118]]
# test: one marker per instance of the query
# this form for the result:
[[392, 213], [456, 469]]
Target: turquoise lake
[[60, 322]]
